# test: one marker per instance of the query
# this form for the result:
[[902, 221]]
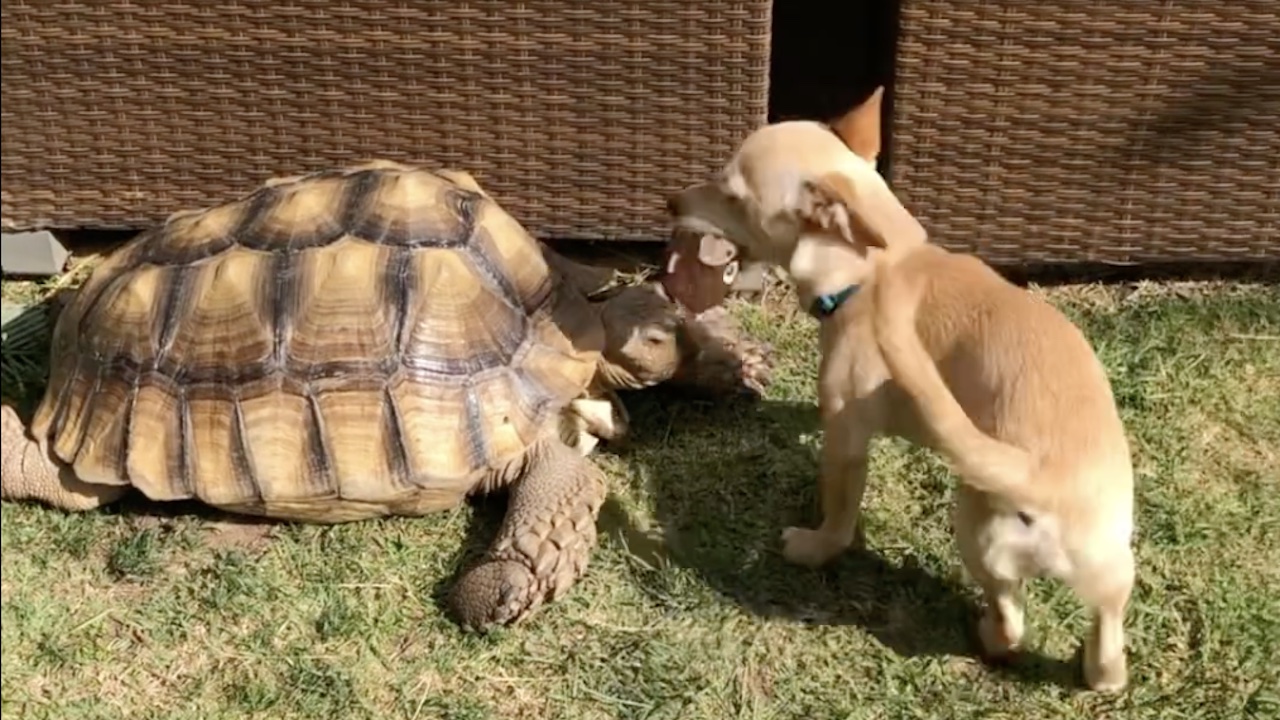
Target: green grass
[[688, 610]]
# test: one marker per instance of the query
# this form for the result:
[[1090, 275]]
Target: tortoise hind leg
[[544, 543], [28, 473]]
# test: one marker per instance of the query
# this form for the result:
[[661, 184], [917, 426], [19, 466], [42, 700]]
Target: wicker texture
[[578, 117], [1072, 131]]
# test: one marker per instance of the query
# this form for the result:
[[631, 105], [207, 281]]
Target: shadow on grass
[[729, 477]]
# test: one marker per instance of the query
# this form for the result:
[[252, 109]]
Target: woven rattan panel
[[1081, 131], [577, 116]]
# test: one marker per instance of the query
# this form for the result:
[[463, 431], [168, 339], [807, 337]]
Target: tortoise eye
[[656, 335]]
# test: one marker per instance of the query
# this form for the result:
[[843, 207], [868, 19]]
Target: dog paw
[[1109, 676], [999, 639], [1001, 629], [809, 548]]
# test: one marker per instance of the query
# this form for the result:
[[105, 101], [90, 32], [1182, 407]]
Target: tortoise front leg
[[544, 543], [588, 420], [721, 359], [30, 472]]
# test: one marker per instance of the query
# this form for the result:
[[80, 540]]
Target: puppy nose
[[672, 204]]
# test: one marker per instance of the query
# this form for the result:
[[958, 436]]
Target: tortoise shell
[[379, 336]]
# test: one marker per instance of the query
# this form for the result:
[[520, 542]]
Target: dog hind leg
[[1106, 589], [1002, 625]]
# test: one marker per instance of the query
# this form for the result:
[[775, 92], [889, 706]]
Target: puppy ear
[[863, 213], [860, 127]]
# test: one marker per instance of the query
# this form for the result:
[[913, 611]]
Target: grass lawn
[[688, 610]]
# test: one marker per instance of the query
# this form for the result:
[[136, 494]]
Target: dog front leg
[[842, 481]]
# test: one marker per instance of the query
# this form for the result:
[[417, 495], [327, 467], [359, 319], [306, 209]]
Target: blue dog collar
[[824, 305]]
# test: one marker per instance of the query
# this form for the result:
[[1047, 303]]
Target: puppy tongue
[[689, 281]]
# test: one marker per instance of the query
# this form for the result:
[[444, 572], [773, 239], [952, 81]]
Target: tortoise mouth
[[618, 377]]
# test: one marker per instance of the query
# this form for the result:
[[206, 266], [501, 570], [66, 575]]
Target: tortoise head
[[645, 341], [650, 340]]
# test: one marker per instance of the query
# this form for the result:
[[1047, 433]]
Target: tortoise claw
[[495, 593], [727, 362], [755, 371]]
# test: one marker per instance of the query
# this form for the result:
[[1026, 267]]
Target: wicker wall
[[1063, 131], [1079, 131], [578, 116]]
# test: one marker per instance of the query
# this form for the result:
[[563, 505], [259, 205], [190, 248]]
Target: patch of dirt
[[249, 536], [221, 532]]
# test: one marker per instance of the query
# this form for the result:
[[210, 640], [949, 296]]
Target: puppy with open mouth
[[937, 348]]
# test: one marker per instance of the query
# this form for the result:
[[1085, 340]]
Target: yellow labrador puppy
[[935, 347]]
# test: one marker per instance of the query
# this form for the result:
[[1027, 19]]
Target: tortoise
[[375, 340]]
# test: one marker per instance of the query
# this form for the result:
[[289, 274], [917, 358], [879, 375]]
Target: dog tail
[[981, 461]]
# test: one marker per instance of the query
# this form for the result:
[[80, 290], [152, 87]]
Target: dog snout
[[673, 204]]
